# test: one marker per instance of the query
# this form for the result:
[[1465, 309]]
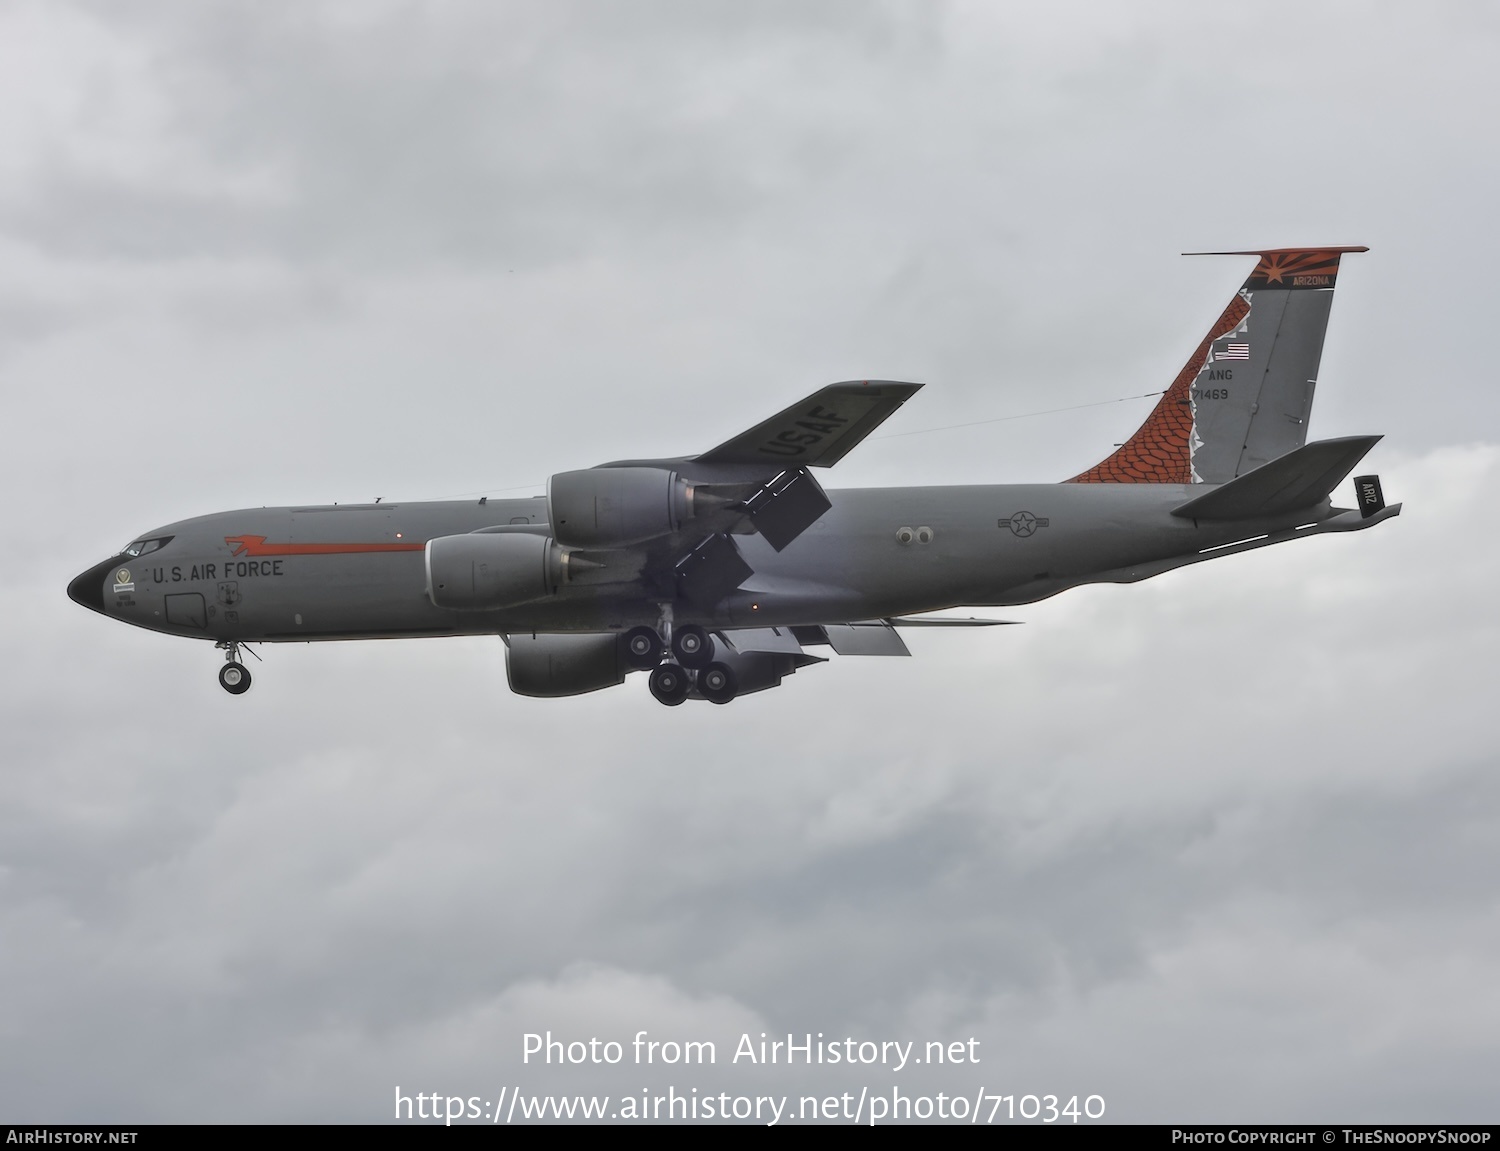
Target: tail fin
[[1243, 398]]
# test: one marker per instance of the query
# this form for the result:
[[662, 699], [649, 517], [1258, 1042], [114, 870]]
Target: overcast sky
[[1222, 846]]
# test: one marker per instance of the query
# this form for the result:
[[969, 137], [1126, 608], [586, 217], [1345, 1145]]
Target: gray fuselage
[[357, 571]]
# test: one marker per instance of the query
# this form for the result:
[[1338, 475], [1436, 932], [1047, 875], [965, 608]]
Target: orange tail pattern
[[1160, 452]]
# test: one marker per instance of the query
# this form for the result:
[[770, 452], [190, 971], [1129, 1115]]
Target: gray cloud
[[489, 136], [1214, 846], [1008, 837]]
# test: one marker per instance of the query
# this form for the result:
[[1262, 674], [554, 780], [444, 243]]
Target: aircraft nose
[[88, 588]]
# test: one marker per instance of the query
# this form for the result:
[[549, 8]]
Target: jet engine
[[555, 665], [493, 570], [615, 507]]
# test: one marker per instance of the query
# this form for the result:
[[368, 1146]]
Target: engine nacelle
[[614, 507], [556, 665], [493, 570]]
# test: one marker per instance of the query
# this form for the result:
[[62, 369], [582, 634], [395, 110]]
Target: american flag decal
[[1233, 352]]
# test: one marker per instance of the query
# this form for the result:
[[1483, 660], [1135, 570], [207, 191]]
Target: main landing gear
[[692, 662], [692, 646], [643, 648], [234, 677], [669, 684]]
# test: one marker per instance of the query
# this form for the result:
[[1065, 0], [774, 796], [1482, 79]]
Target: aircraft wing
[[758, 658], [759, 482], [944, 621], [819, 431], [863, 637]]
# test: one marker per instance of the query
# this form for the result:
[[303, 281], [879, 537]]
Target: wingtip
[[940, 621], [909, 385]]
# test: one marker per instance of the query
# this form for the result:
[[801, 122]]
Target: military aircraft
[[715, 573]]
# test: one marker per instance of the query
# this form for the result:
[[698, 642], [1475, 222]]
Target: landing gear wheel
[[669, 684], [692, 647], [234, 678], [643, 647], [716, 683]]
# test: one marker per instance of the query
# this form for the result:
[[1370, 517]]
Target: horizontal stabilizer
[[941, 621], [819, 431], [1300, 479]]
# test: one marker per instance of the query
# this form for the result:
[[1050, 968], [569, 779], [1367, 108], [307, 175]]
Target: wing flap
[[767, 639], [865, 639]]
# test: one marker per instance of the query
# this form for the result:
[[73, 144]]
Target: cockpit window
[[146, 547]]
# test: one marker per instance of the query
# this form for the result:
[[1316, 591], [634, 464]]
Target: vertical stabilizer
[[1244, 396]]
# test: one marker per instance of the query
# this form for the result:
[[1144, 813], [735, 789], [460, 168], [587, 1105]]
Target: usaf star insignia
[[1024, 524]]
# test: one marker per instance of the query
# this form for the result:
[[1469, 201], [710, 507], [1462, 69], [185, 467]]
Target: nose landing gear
[[234, 677]]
